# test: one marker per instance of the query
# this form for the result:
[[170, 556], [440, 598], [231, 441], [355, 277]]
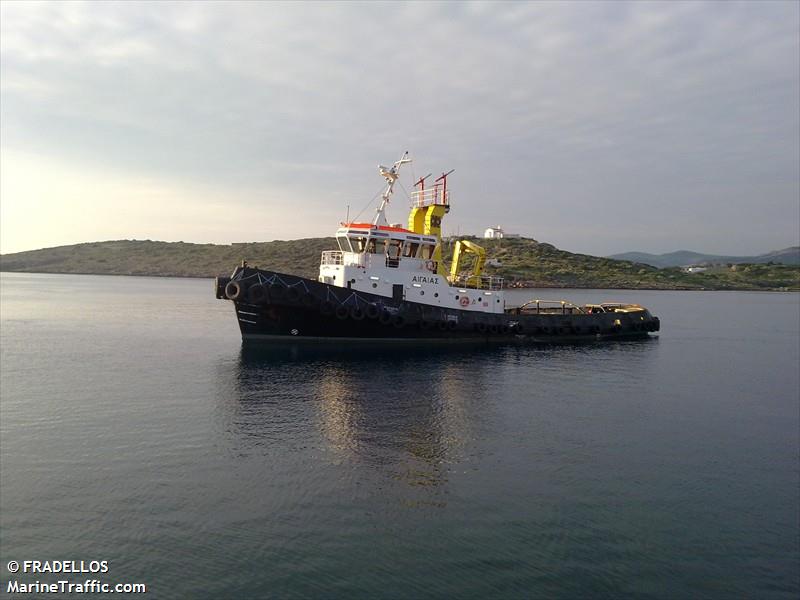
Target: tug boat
[[388, 282]]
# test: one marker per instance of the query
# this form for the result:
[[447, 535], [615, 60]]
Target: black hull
[[275, 306]]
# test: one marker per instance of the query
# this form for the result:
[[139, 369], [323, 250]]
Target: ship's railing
[[614, 307], [434, 195], [480, 282], [337, 257], [332, 257], [539, 306]]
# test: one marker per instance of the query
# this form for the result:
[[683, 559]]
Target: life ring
[[430, 265], [234, 290], [464, 301], [256, 294], [342, 312]]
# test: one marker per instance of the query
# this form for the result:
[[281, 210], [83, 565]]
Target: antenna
[[443, 179], [391, 176], [421, 181]]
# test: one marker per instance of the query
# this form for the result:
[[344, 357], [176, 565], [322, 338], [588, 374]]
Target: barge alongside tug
[[388, 281]]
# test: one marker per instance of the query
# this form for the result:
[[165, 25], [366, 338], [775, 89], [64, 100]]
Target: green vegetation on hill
[[170, 259], [537, 264], [523, 262]]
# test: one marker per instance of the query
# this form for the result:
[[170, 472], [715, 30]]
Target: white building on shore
[[497, 232]]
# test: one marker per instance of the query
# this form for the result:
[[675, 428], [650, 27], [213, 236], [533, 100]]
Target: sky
[[600, 127]]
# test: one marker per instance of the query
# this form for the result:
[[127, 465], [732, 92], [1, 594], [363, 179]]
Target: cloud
[[560, 118]]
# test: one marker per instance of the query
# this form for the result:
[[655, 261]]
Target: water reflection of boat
[[351, 406], [387, 281], [349, 401]]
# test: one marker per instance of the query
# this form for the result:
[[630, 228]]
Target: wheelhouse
[[365, 244]]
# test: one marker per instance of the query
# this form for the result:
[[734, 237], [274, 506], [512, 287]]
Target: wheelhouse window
[[376, 246], [359, 244], [344, 243], [393, 249], [427, 252], [393, 253], [410, 250]]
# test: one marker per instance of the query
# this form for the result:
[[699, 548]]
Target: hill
[[169, 259], [523, 262], [787, 256]]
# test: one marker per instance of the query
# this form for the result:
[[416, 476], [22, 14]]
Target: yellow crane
[[480, 259]]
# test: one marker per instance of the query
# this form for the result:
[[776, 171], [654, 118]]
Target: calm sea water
[[134, 428]]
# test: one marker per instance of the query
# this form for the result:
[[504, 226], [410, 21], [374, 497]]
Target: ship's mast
[[391, 176]]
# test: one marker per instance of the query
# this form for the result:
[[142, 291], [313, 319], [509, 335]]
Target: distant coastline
[[525, 263], [680, 258]]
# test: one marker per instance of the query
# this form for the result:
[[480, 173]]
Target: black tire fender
[[308, 299], [234, 290], [277, 290], [256, 294], [372, 311]]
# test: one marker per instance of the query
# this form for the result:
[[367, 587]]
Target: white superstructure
[[405, 263]]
